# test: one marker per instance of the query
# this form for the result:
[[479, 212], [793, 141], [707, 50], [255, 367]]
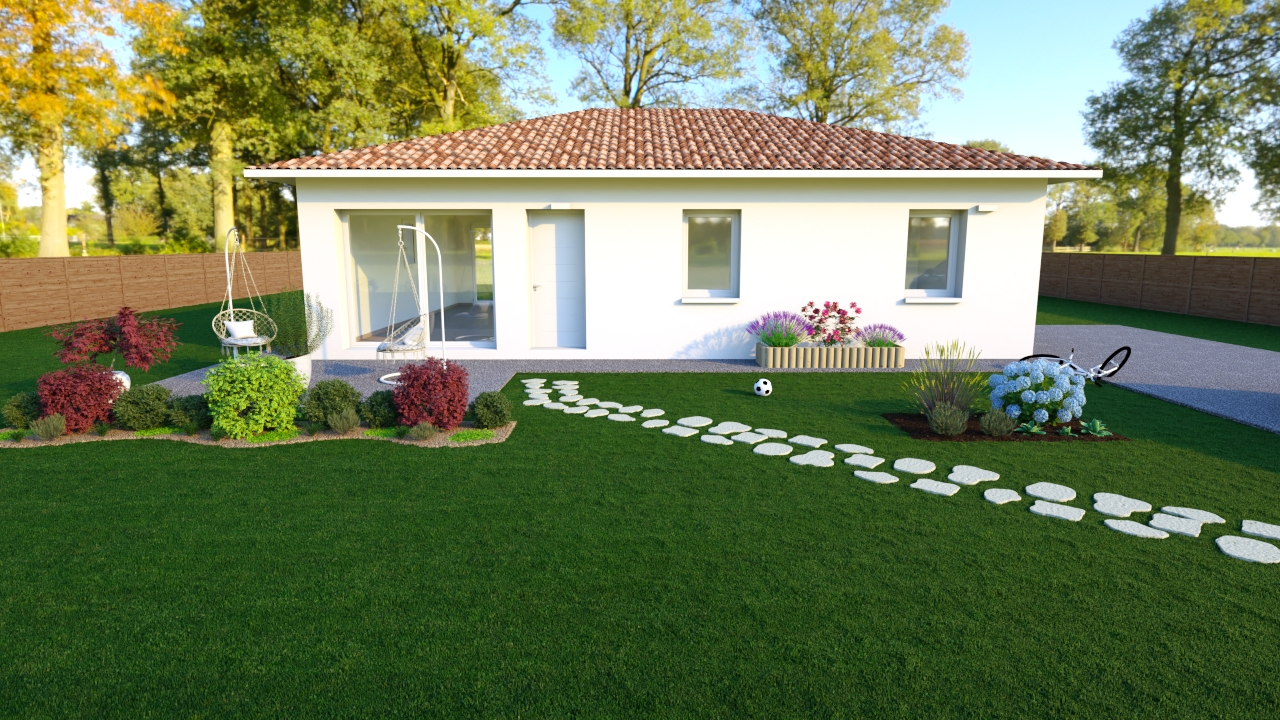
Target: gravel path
[[1231, 381]]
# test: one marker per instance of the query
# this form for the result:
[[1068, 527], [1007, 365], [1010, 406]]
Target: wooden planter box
[[802, 356]]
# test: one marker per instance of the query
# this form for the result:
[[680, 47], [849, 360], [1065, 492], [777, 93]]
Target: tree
[[992, 145], [637, 53], [869, 63], [1198, 69], [60, 86]]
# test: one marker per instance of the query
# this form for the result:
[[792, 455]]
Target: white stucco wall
[[801, 240]]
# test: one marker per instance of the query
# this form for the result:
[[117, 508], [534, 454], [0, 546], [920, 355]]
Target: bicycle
[[1097, 373]]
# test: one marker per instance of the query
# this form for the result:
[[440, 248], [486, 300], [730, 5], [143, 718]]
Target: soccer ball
[[764, 388]]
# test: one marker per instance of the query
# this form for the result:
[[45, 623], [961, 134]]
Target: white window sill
[[709, 301], [932, 300]]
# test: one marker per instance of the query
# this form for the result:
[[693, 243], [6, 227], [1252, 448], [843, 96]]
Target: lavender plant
[[880, 335], [780, 329]]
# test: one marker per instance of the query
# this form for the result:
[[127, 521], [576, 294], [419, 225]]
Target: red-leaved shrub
[[82, 394], [431, 392], [143, 342]]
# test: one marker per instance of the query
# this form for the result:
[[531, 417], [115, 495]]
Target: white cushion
[[240, 330]]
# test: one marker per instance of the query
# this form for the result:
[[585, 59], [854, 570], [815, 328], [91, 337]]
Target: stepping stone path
[[610, 405], [1202, 516], [970, 475], [1173, 523], [679, 431], [555, 406], [807, 441], [1054, 510], [537, 401], [539, 381], [1118, 505], [619, 417], [596, 412], [716, 440], [1051, 491], [576, 410], [631, 409], [936, 488], [1136, 529], [855, 449], [772, 449], [880, 478], [652, 412], [816, 458], [771, 433], [1243, 548], [749, 438], [1261, 529], [655, 423], [729, 428], [914, 465], [1000, 496], [864, 461], [695, 421]]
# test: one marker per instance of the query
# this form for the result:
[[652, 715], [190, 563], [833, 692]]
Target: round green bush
[[253, 393], [190, 412], [379, 410], [329, 397], [23, 409], [947, 419], [997, 424], [144, 407], [492, 409]]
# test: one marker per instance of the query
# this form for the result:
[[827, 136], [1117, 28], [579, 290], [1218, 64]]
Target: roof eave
[[1052, 176]]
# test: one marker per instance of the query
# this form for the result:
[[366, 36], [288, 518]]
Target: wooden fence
[[1232, 288], [46, 291]]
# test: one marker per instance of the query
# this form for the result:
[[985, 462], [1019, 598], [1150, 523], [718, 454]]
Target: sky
[[1032, 64]]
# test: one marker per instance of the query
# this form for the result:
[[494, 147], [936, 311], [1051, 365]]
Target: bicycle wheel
[[1106, 369]]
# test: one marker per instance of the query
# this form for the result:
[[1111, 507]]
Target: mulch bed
[[917, 426], [500, 434]]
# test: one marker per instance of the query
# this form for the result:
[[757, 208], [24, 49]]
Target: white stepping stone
[[695, 421], [1203, 516], [588, 401], [1051, 491], [1000, 496], [1175, 524], [680, 431], [914, 465], [555, 406], [807, 441], [596, 412], [619, 417], [655, 423], [864, 461], [749, 438], [936, 488], [631, 409], [537, 401], [576, 410], [855, 449], [880, 478], [1243, 548], [1054, 510], [970, 475], [560, 383], [716, 440], [775, 449], [816, 458], [729, 428], [609, 404], [771, 433], [570, 398], [1261, 529], [652, 412], [1136, 529], [1118, 505], [526, 381]]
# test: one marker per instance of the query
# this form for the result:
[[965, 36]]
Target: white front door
[[557, 261]]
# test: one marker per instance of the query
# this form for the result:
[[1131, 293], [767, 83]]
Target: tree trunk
[[164, 205], [53, 192], [103, 169], [222, 174], [1173, 206], [1137, 239]]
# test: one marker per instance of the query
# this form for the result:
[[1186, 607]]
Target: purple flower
[[780, 329], [880, 335]]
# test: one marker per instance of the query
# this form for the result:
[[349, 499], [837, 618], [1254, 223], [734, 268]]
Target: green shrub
[[421, 431], [328, 397], [491, 410], [997, 424], [143, 407], [947, 419], [191, 413], [469, 435], [397, 431], [302, 323], [48, 428], [344, 421], [379, 410], [21, 410], [253, 393]]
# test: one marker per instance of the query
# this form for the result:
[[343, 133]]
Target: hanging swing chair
[[411, 336], [239, 327]]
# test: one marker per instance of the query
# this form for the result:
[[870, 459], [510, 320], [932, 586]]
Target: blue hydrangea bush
[[1039, 391]]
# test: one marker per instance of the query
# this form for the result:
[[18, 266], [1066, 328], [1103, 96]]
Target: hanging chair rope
[[402, 259]]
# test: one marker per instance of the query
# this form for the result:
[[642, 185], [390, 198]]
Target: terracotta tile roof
[[668, 139]]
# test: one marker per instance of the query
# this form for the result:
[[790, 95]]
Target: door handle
[[535, 287]]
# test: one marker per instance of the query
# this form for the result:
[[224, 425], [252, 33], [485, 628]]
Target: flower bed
[[917, 426], [817, 356], [474, 436]]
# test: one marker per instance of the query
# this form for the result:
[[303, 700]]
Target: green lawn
[[1059, 311], [587, 568]]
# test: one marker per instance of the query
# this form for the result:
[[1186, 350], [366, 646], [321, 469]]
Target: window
[[711, 254], [932, 252]]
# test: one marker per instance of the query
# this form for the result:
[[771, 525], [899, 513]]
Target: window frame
[[735, 252], [954, 244]]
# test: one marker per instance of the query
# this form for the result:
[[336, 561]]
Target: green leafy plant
[[274, 435], [997, 424], [21, 410], [190, 413], [378, 410], [1065, 430], [329, 397], [143, 407], [253, 393], [397, 431], [421, 431], [1030, 428], [470, 435], [1096, 428], [947, 419], [101, 429], [302, 323], [344, 421], [156, 431], [50, 427], [946, 376], [491, 409], [13, 435]]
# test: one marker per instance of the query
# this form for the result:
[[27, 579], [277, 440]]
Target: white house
[[661, 233]]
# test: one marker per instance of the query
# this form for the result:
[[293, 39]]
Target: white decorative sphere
[[764, 388]]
